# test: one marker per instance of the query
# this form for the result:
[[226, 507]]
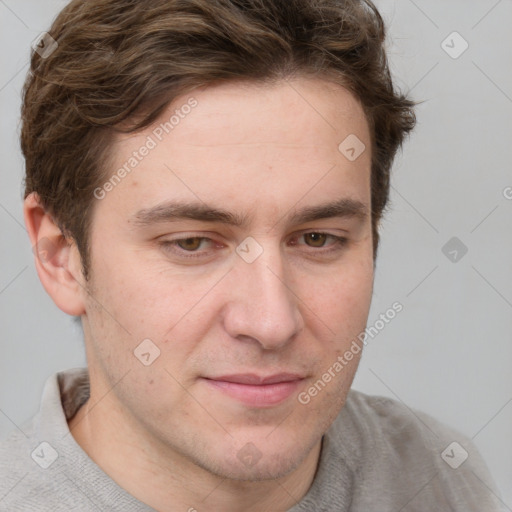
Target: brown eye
[[189, 244], [315, 239]]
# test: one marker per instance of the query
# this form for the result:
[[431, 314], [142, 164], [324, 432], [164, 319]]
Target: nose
[[262, 304]]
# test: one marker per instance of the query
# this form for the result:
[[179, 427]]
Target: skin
[[161, 431]]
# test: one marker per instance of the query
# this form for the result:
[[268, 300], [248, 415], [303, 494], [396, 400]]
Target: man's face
[[231, 300]]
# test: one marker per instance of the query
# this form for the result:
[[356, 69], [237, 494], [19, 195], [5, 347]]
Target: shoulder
[[43, 469], [27, 483], [390, 419], [33, 471], [13, 463], [393, 428], [437, 465], [387, 419]]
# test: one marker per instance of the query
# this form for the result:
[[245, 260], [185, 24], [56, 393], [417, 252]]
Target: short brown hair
[[120, 60]]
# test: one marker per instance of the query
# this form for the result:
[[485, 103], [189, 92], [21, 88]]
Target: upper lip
[[252, 378]]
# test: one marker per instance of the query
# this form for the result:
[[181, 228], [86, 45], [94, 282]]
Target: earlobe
[[56, 258]]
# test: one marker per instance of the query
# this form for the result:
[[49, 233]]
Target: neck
[[166, 480]]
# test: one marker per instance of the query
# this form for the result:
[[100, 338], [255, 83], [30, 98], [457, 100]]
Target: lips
[[253, 379], [256, 390]]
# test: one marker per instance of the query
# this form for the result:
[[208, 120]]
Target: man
[[204, 186]]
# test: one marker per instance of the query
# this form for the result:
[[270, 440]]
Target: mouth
[[256, 390]]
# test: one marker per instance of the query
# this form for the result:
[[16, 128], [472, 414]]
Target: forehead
[[285, 112], [248, 145]]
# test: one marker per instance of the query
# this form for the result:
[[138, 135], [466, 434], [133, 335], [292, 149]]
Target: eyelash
[[172, 245]]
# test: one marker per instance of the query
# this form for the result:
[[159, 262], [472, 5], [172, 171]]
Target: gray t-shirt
[[378, 456]]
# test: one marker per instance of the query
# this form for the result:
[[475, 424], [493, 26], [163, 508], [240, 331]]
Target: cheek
[[148, 302], [133, 295], [343, 300]]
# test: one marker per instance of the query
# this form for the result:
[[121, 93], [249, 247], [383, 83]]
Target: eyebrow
[[176, 210]]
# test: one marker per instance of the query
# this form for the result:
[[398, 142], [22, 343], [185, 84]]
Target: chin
[[261, 460], [274, 467]]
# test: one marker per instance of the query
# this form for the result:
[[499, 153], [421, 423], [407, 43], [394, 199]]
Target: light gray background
[[449, 351]]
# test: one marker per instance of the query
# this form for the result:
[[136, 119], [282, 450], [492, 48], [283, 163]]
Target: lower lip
[[264, 395]]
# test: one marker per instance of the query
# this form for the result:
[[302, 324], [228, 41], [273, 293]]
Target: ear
[[57, 259]]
